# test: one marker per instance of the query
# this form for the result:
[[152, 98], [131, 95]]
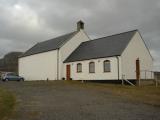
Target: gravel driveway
[[59, 100]]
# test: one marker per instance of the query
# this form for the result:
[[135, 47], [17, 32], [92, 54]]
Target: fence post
[[82, 81], [139, 81], [145, 75], [151, 74], [122, 79], [156, 78], [122, 82]]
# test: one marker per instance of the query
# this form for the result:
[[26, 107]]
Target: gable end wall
[[69, 47], [136, 49]]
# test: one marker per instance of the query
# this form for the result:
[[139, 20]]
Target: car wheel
[[21, 79], [3, 80], [6, 79]]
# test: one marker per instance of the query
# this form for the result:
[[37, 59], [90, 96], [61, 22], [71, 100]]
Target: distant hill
[[10, 62]]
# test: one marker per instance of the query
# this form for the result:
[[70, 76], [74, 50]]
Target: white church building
[[75, 56]]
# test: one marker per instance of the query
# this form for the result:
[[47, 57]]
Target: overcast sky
[[26, 22]]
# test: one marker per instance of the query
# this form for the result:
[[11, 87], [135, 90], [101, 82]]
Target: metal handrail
[[129, 82], [123, 79]]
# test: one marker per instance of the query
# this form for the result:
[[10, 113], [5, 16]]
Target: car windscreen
[[11, 74]]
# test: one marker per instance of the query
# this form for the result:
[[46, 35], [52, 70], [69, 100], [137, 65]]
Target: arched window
[[91, 67], [107, 66], [79, 67]]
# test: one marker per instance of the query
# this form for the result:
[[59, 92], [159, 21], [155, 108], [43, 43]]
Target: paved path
[[61, 101]]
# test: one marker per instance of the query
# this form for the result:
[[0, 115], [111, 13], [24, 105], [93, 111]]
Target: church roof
[[108, 46], [49, 45]]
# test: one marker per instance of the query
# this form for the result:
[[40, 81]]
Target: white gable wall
[[136, 49], [39, 66], [99, 70], [69, 47]]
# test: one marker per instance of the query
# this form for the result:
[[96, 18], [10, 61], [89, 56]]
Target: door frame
[[138, 72], [68, 72]]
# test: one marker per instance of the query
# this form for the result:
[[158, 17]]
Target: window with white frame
[[107, 66], [79, 67], [91, 67]]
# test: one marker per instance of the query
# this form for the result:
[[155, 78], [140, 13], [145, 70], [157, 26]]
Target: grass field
[[7, 102], [49, 100], [74, 100], [145, 94]]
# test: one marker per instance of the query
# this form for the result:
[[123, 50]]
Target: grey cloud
[[102, 17]]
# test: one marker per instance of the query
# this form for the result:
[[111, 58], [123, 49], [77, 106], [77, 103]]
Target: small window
[[91, 67], [79, 68], [107, 66]]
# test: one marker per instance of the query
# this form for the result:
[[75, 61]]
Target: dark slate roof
[[102, 47], [49, 45]]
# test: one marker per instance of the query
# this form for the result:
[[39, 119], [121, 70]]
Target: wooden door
[[137, 69], [68, 72]]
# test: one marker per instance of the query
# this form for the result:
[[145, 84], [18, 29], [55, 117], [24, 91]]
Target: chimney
[[80, 25]]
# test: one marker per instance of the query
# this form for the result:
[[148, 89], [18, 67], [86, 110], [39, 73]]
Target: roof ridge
[[58, 43], [102, 47], [57, 37], [111, 35]]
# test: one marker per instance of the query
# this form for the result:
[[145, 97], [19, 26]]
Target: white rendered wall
[[39, 66], [99, 71], [136, 49], [69, 47]]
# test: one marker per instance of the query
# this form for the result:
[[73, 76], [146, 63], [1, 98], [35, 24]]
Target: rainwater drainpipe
[[58, 64], [118, 65]]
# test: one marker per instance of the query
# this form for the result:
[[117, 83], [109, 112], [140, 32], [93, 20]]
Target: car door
[[11, 76], [14, 77]]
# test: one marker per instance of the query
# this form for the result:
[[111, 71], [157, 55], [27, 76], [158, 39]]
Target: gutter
[[58, 64], [118, 65]]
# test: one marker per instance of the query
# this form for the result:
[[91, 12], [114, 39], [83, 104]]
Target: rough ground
[[59, 100]]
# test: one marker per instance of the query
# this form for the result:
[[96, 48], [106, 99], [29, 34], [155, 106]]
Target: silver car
[[11, 76]]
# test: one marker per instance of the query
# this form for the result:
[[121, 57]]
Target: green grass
[[149, 94], [7, 102]]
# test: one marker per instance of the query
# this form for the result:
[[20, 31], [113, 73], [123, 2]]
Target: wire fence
[[149, 78], [146, 75], [146, 78]]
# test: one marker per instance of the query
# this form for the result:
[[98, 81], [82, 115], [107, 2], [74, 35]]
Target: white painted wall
[[39, 67], [44, 65], [99, 73], [69, 47], [136, 49]]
